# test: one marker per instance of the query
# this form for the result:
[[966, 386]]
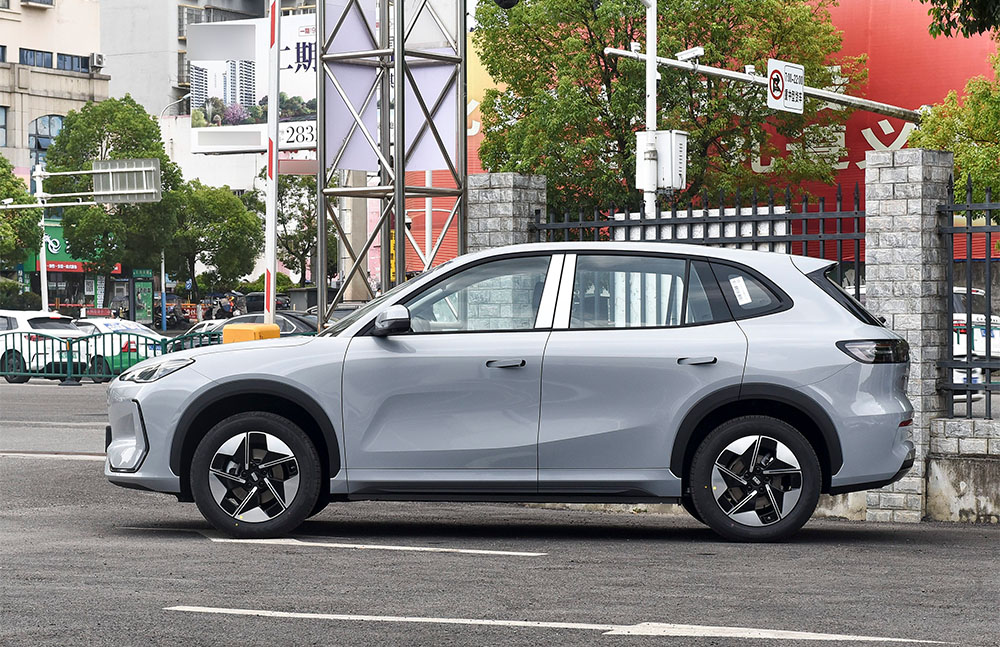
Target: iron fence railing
[[792, 226], [972, 231]]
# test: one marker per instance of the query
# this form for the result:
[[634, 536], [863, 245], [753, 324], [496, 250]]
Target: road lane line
[[415, 549], [642, 629], [66, 456]]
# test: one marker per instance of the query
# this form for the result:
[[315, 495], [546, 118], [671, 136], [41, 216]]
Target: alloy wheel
[[254, 477], [756, 480]]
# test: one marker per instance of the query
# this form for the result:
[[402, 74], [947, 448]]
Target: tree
[[281, 281], [569, 111], [214, 108], [296, 221], [19, 230], [213, 227], [970, 128], [198, 118], [130, 234], [235, 115], [965, 17]]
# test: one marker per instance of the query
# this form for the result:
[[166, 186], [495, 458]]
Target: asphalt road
[[85, 563]]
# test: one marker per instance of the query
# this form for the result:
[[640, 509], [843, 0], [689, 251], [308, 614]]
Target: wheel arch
[[224, 400], [789, 405]]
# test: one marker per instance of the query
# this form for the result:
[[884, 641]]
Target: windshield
[[340, 325]]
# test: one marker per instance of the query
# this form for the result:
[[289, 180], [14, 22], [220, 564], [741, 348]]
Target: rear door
[[637, 341]]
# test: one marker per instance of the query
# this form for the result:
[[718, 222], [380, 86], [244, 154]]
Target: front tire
[[755, 479], [255, 475]]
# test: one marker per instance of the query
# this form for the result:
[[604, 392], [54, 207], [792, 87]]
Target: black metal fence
[[762, 223], [972, 230]]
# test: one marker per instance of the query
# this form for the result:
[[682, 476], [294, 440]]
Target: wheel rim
[[756, 480], [254, 477]]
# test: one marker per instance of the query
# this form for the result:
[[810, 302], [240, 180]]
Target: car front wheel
[[755, 479], [255, 475], [12, 363]]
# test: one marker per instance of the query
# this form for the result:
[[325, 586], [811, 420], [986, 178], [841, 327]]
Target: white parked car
[[114, 345], [33, 344]]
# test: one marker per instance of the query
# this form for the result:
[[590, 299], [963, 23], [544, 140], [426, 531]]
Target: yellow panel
[[249, 332]]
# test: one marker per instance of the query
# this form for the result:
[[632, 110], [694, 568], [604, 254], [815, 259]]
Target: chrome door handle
[[697, 360], [505, 363]]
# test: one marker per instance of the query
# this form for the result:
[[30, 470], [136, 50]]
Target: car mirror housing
[[392, 321]]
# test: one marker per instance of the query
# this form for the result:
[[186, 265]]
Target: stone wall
[[502, 209]]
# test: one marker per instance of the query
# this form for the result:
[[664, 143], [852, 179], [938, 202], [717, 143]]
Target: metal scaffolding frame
[[394, 60]]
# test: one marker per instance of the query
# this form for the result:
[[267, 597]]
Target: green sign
[[144, 301], [142, 274]]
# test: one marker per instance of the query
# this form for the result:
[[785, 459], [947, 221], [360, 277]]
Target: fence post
[[502, 209], [905, 268], [69, 381]]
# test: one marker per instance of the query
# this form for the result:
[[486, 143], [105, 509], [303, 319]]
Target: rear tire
[[12, 362], [755, 479], [100, 370], [688, 503], [255, 475]]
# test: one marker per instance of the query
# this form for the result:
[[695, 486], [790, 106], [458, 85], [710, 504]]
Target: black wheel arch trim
[[755, 391], [251, 387]]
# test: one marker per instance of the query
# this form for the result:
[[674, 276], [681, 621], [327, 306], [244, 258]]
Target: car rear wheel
[[100, 370], [755, 479], [13, 363], [688, 503], [255, 475]]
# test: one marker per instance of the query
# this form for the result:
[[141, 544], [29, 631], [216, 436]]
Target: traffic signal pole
[[649, 195]]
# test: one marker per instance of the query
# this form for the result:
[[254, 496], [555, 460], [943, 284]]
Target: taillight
[[960, 327], [130, 347], [34, 338], [877, 351]]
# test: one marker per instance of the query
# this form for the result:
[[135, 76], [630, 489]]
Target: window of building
[[188, 16], [3, 126], [36, 58], [41, 132], [73, 63], [4, 4], [3, 49]]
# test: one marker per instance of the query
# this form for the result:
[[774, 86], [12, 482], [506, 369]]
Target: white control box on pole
[[667, 167]]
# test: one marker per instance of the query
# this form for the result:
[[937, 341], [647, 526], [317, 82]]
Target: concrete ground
[[85, 563]]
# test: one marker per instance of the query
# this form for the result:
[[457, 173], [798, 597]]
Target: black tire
[[760, 480], [322, 501], [688, 503], [12, 362], [263, 514], [100, 370]]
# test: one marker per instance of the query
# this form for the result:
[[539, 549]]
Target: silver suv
[[739, 384]]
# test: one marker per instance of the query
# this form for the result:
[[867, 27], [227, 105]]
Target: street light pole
[[163, 261], [649, 195]]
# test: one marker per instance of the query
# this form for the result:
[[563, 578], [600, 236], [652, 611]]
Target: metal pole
[[271, 211], [385, 122], [428, 215], [463, 141], [43, 264], [816, 93], [163, 292], [649, 195], [399, 143], [319, 269]]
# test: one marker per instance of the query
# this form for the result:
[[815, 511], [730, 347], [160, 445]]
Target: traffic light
[[506, 4]]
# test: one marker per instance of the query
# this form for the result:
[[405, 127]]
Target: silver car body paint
[[592, 413]]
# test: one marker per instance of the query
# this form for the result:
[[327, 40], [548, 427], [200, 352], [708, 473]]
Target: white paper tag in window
[[740, 290]]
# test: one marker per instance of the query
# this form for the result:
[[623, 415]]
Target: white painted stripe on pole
[[66, 456], [642, 629], [414, 549]]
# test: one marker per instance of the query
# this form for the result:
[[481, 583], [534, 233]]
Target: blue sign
[[187, 284]]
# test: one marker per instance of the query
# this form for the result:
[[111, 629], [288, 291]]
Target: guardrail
[[100, 357]]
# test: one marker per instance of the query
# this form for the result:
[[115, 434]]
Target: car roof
[[33, 314]]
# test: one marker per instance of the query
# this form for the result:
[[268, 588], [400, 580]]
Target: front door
[[453, 405]]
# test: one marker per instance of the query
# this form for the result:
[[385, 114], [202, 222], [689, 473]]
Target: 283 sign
[[301, 133]]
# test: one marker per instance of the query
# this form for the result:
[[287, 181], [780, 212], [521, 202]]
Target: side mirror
[[392, 321]]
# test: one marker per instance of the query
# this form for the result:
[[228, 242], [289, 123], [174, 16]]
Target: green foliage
[[104, 235], [569, 111], [212, 227], [296, 219], [970, 128], [281, 280], [965, 17], [198, 119], [12, 299], [19, 230]]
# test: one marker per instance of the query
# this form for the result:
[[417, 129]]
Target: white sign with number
[[785, 86]]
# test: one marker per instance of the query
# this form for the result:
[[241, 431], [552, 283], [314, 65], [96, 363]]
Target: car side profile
[[739, 384]]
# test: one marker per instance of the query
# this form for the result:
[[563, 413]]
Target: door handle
[[505, 363], [697, 360]]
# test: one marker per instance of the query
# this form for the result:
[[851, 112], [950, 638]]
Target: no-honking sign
[[785, 86]]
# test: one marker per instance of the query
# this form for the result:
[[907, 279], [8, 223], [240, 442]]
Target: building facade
[[50, 63]]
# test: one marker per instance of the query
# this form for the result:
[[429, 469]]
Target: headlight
[[144, 373]]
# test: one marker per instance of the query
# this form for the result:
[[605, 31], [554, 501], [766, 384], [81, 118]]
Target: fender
[[755, 391], [254, 386]]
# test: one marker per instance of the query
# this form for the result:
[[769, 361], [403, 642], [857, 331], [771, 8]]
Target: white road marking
[[415, 549], [66, 456], [642, 629]]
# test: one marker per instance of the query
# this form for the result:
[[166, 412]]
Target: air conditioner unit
[[96, 61]]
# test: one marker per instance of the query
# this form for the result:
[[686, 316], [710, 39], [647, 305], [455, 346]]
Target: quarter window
[[643, 292], [499, 295], [747, 296]]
